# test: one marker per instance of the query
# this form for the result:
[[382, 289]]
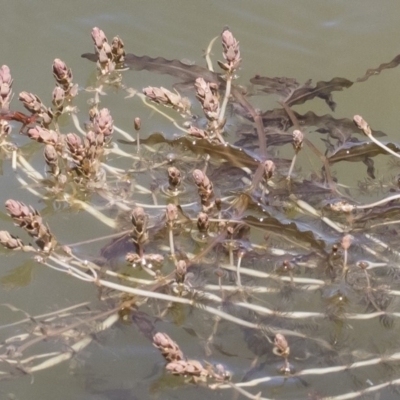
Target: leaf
[[359, 151], [289, 88], [249, 139], [176, 68], [279, 118], [237, 156], [289, 229], [294, 93], [369, 162], [376, 71], [278, 85], [144, 324]]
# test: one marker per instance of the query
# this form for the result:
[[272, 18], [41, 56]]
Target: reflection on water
[[302, 41]]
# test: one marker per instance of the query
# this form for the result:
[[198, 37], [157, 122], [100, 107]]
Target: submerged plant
[[233, 254]]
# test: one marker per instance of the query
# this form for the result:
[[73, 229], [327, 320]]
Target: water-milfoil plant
[[231, 253]]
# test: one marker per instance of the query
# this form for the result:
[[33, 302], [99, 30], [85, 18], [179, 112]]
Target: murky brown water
[[303, 40]]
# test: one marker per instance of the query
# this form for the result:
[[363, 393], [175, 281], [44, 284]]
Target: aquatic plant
[[226, 238]]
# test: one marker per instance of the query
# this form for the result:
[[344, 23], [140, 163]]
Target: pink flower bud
[[98, 37]]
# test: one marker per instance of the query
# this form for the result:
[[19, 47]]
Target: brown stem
[[257, 176], [257, 119]]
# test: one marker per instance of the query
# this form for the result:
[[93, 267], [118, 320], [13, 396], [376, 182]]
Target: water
[[307, 39]]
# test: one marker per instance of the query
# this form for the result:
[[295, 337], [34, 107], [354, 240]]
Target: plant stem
[[292, 166], [208, 52], [171, 241], [226, 98], [378, 203]]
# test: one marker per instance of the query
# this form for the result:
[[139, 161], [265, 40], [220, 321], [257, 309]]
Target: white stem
[[41, 316], [116, 150], [28, 169], [260, 274], [292, 166], [75, 348], [91, 210], [239, 282], [171, 241], [143, 98], [382, 146], [226, 98], [208, 52], [75, 120], [321, 371], [126, 135], [212, 310], [378, 203]]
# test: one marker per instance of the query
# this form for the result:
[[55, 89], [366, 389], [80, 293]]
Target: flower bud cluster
[[83, 154], [43, 135], [362, 124], [103, 126], [118, 50], [10, 242], [169, 349], [178, 364], [57, 99], [103, 50], [203, 223], [30, 220], [282, 349], [109, 56], [192, 368], [51, 157], [137, 123], [181, 285], [205, 188], [231, 52], [269, 169], [346, 241], [174, 178], [342, 206], [139, 236], [63, 76], [53, 141], [33, 104], [139, 221], [180, 271], [87, 152], [6, 92], [298, 138], [167, 98], [207, 94], [281, 345]]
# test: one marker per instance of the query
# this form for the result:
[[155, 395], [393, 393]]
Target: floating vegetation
[[220, 235]]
